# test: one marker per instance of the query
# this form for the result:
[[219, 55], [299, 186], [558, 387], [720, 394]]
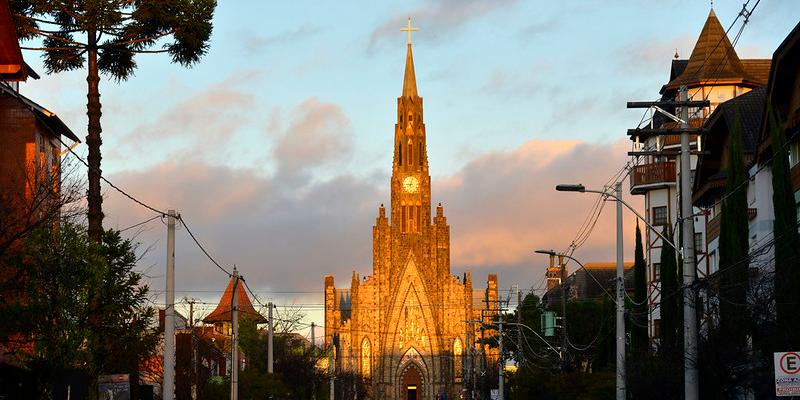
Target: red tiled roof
[[12, 66], [223, 311]]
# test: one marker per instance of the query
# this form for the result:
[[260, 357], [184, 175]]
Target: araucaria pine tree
[[670, 299], [104, 36], [640, 309], [787, 239], [734, 261]]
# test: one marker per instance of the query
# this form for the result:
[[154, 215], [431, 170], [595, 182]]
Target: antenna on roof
[[676, 54]]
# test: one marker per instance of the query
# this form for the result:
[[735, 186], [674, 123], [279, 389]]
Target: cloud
[[438, 18], [505, 83], [254, 43], [284, 236], [318, 133], [535, 29], [653, 56], [502, 205]]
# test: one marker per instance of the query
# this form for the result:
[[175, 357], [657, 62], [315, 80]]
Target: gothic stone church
[[405, 328]]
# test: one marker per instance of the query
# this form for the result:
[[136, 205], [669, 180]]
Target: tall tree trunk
[[640, 318], [93, 141], [670, 308], [787, 240], [734, 247]]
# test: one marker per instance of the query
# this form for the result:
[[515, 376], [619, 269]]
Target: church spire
[[410, 79]]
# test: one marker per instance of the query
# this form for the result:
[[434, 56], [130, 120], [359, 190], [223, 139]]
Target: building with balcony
[[713, 72]]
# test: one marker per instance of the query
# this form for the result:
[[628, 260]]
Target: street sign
[[787, 374]]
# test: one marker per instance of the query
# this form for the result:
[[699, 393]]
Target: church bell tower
[[411, 183]]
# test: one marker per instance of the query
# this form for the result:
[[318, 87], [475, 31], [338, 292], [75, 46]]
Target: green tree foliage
[[295, 373], [79, 306], [670, 306], [734, 235], [787, 239], [535, 383], [104, 36], [639, 338]]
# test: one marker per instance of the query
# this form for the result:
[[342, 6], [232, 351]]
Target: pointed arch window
[[400, 154], [421, 147], [366, 358], [410, 160], [458, 350]]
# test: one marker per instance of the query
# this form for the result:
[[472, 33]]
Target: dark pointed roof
[[713, 60], [223, 311], [745, 110], [410, 79]]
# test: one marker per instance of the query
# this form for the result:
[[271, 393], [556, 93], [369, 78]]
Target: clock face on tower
[[411, 184]]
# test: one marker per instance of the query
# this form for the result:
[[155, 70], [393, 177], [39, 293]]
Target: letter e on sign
[[787, 373], [790, 363]]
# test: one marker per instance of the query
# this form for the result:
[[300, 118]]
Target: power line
[[203, 249], [140, 223]]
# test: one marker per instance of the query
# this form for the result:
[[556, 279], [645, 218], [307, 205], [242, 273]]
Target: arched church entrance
[[411, 383]]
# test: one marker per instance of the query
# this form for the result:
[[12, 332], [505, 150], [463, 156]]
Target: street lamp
[[620, 278], [581, 189]]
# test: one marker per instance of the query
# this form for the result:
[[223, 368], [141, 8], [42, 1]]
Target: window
[[656, 328], [457, 351], [794, 153], [660, 216], [698, 243], [656, 271], [410, 160], [366, 358], [420, 154], [399, 154]]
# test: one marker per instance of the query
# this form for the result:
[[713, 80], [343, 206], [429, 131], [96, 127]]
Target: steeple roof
[[410, 79], [713, 59], [223, 311]]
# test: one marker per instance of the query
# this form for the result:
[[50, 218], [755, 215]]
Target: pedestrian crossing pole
[[270, 334], [235, 337]]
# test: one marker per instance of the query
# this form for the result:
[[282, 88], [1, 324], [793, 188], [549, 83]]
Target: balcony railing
[[652, 175]]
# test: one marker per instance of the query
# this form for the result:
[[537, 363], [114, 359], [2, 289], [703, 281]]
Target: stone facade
[[407, 326]]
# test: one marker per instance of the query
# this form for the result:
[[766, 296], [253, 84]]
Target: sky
[[276, 148]]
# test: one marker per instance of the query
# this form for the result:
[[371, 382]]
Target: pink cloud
[[286, 235]]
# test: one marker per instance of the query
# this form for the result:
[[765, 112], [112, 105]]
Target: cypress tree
[[787, 240], [640, 309], [734, 245], [670, 298]]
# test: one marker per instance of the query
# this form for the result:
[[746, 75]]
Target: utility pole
[[564, 291], [691, 390], [235, 337], [193, 338], [269, 337], [331, 369], [313, 343], [168, 389], [500, 348], [519, 328], [691, 378], [620, 301]]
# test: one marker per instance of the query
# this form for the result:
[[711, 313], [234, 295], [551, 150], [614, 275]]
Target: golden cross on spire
[[409, 29]]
